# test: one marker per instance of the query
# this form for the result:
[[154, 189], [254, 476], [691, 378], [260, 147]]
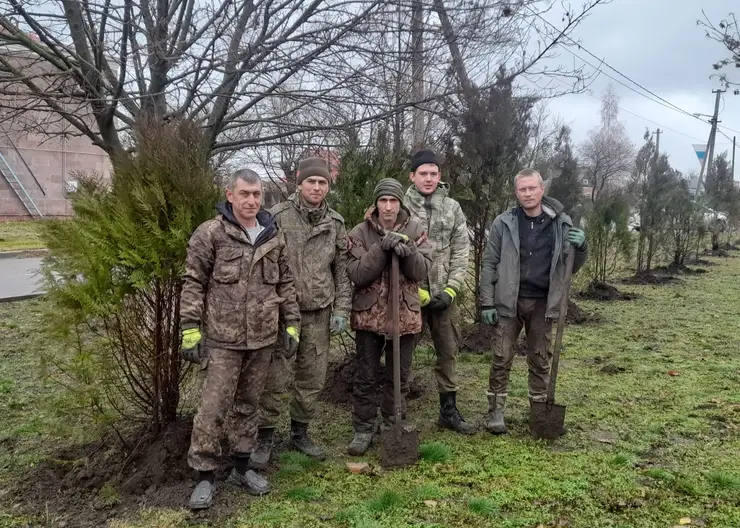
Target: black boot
[[303, 443], [260, 457], [450, 417]]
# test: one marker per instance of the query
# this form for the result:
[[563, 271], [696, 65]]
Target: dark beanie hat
[[422, 157], [312, 167], [388, 187]]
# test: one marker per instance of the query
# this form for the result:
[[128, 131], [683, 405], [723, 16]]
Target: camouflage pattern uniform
[[236, 292], [369, 270], [445, 223], [317, 251]]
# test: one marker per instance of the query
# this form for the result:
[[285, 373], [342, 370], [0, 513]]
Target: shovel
[[400, 442], [547, 419]]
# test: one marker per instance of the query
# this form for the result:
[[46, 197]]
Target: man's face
[[388, 207], [529, 191], [426, 178], [246, 199], [314, 189]]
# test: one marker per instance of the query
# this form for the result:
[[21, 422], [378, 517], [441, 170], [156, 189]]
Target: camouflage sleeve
[[489, 264], [364, 265], [416, 267], [198, 267], [290, 313], [459, 251], [342, 286]]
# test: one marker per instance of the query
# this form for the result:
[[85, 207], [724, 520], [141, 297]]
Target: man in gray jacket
[[522, 284]]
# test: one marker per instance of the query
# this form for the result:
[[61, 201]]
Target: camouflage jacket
[[447, 229], [236, 291], [369, 269], [317, 251]]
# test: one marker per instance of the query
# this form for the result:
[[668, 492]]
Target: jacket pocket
[[270, 268], [225, 321], [227, 267], [266, 317], [364, 300], [412, 300]]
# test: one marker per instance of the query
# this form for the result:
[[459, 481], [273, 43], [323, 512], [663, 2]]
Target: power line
[[661, 101]]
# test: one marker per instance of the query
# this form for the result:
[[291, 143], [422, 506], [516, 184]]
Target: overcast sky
[[658, 44]]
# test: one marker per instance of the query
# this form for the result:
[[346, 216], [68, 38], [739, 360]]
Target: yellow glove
[[190, 338], [424, 297], [290, 341]]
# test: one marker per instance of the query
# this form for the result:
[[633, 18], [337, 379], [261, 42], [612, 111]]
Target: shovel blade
[[546, 420], [400, 447]]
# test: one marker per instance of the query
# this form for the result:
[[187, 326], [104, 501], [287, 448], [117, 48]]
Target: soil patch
[[650, 279], [478, 339], [722, 253], [680, 269], [729, 247], [340, 379], [701, 262], [86, 485], [601, 291], [578, 316]]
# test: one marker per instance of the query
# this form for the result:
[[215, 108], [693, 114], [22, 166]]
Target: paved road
[[18, 277]]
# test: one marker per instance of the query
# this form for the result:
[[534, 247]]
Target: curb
[[20, 297], [23, 253]]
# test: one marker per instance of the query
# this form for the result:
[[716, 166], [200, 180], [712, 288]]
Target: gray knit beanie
[[388, 187]]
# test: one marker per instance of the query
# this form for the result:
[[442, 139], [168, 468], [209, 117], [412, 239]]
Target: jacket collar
[[265, 219]]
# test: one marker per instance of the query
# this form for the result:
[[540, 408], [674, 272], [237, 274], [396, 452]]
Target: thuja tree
[[114, 274], [609, 239]]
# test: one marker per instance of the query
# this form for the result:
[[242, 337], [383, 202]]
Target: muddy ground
[[601, 291]]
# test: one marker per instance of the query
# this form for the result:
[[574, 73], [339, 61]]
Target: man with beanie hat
[[317, 252], [445, 223], [387, 229]]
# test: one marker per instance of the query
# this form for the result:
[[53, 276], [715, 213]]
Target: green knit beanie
[[388, 187]]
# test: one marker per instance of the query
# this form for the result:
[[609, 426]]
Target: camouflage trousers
[[232, 381], [309, 372], [444, 327], [531, 316], [370, 348]]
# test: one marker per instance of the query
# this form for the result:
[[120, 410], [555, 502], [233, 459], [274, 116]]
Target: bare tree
[[607, 155], [727, 33]]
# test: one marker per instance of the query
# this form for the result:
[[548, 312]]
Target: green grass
[[20, 235], [644, 449]]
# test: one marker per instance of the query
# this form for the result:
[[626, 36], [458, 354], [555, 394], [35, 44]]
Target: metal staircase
[[9, 174]]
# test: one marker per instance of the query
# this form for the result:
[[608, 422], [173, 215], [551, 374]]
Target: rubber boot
[[449, 415], [303, 443], [260, 457], [495, 419], [360, 444]]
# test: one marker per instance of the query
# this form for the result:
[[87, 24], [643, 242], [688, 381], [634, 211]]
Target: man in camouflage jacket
[[317, 252], [445, 223], [237, 286], [387, 229]]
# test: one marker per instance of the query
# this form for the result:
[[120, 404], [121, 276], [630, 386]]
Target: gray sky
[[658, 44]]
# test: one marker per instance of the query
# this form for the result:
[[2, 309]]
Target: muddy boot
[[303, 443], [260, 457], [450, 417], [202, 496], [254, 483], [495, 420], [360, 444]]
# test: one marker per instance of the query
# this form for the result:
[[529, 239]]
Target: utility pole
[[657, 144], [417, 73], [707, 165], [733, 160]]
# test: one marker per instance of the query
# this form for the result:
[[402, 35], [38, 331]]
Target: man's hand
[[424, 297], [443, 300], [489, 316], [405, 250], [190, 345], [576, 237], [338, 325], [392, 239], [291, 340]]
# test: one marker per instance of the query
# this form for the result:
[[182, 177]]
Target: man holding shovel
[[387, 231], [522, 285]]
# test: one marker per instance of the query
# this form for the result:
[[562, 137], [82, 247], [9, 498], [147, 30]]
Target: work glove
[[442, 300], [424, 297], [190, 345], [338, 325], [290, 341], [405, 250], [576, 237], [390, 240], [489, 316]]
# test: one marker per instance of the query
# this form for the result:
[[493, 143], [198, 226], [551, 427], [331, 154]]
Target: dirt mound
[[88, 484], [650, 279], [478, 339], [701, 262], [722, 253], [601, 291], [729, 247], [340, 379], [577, 316]]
